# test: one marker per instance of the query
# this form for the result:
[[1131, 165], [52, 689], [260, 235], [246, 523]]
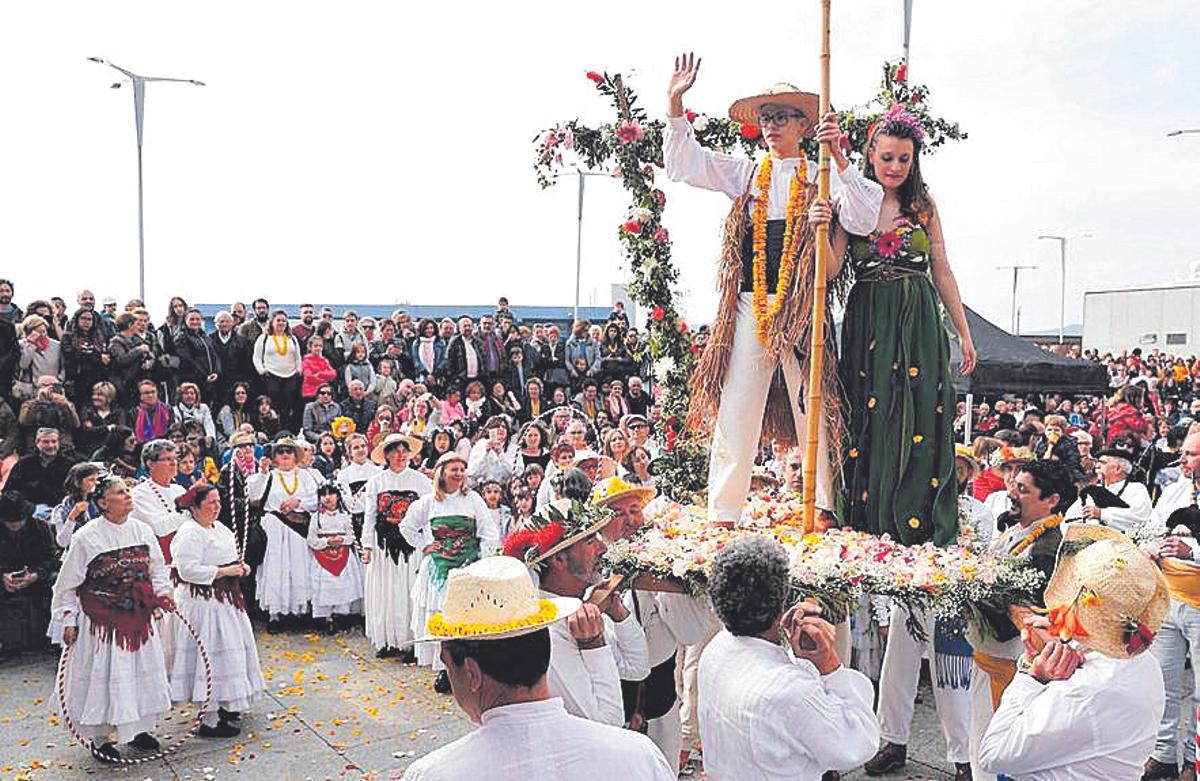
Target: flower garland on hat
[[437, 625], [543, 534], [764, 312]]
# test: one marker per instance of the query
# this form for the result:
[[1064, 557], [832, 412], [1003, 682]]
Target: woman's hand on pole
[[686, 67]]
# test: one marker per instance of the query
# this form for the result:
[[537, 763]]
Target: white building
[[1166, 317]]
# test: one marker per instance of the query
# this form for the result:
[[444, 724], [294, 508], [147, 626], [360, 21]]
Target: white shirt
[[354, 473], [540, 741], [998, 502], [197, 553], [857, 198], [387, 480], [417, 526], [1098, 724], [1123, 519], [764, 716], [1181, 493], [978, 516], [589, 681], [154, 505], [669, 621], [302, 485]]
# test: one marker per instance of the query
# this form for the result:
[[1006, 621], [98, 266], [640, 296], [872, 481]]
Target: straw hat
[[614, 489], [411, 443], [242, 438], [491, 599], [585, 454], [1106, 592], [968, 455], [746, 109], [553, 528], [1010, 455]]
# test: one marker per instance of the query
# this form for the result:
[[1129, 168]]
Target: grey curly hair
[[155, 449], [749, 584]]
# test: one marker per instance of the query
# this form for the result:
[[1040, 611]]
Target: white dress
[[340, 593], [390, 574], [353, 479], [283, 582], [154, 505], [110, 687], [427, 520], [222, 624]]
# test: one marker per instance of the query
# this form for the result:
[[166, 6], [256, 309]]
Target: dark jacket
[[127, 366], [197, 357], [39, 483], [10, 353], [363, 412], [235, 359], [456, 361]]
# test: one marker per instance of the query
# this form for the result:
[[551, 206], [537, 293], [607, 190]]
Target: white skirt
[[109, 688], [387, 602], [428, 597], [229, 641], [283, 580], [341, 594]]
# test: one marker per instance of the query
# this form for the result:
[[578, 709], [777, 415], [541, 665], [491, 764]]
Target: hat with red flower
[[745, 110], [553, 528]]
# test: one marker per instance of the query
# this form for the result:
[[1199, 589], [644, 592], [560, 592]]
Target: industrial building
[[1166, 317]]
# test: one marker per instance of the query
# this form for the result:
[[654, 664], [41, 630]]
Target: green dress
[[898, 473]]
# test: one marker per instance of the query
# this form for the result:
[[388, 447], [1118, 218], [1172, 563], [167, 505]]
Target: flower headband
[[897, 115]]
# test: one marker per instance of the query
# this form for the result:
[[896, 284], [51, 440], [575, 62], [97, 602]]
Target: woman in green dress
[[898, 471]]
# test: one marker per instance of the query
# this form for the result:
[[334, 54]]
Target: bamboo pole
[[814, 407]]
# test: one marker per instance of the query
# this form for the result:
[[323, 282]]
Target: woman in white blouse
[[277, 358]]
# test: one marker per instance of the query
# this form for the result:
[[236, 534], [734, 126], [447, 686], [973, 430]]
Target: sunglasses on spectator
[[324, 392]]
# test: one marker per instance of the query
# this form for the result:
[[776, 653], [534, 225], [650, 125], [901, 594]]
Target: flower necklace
[[1042, 527], [764, 313], [295, 485], [281, 344]]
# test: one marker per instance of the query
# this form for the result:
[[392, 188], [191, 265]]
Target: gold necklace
[[295, 485]]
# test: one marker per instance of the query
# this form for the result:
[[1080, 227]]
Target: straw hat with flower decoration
[[553, 528], [745, 110], [391, 441], [614, 489], [1010, 455], [965, 453], [1105, 592], [492, 599]]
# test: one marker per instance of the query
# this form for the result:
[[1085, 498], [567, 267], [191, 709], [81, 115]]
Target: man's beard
[[5, 300], [262, 318], [307, 319]]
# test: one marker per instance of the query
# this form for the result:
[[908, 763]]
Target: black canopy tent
[[1009, 364]]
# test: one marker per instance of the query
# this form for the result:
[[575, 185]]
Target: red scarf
[[117, 597]]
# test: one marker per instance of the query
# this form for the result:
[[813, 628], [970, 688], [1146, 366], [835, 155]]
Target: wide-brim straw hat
[[1116, 591], [968, 455], [492, 599], [242, 438], [745, 110], [564, 507], [614, 489], [413, 444]]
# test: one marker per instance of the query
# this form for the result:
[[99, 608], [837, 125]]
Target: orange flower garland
[[1038, 531], [764, 313]]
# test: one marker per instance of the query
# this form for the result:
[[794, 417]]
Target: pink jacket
[[316, 370]]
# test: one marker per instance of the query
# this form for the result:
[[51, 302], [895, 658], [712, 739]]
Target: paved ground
[[333, 712]]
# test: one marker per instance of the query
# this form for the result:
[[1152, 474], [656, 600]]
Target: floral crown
[[552, 528], [898, 115]]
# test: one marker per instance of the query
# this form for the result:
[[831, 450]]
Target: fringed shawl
[[791, 331]]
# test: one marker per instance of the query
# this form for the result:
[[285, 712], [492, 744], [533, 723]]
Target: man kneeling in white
[[496, 648], [768, 711], [1091, 713]]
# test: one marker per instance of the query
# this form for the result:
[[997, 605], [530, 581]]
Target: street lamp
[[139, 107], [1016, 270], [579, 233], [1185, 130], [1062, 302]]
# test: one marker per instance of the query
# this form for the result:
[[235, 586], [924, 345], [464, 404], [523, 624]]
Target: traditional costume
[[461, 529], [216, 608], [108, 588], [392, 570], [154, 505], [337, 571], [353, 479], [283, 580], [751, 374], [1100, 721], [1124, 504], [494, 599]]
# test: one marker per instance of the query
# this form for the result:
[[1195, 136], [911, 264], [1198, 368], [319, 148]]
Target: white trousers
[[898, 691], [738, 426], [665, 733]]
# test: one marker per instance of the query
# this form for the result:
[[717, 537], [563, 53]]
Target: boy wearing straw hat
[[1085, 704], [495, 633], [749, 378], [603, 643]]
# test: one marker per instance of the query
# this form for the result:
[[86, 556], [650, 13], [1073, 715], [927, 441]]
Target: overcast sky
[[380, 152]]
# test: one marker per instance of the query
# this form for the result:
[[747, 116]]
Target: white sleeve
[[858, 200], [627, 640], [187, 550], [486, 527], [64, 527], [64, 603], [1129, 518], [160, 576], [689, 619], [315, 540], [210, 428], [843, 709], [415, 526], [369, 512], [258, 352], [1035, 728], [687, 161]]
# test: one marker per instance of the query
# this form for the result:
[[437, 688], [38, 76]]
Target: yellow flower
[[933, 481], [871, 402], [1089, 599], [913, 371], [439, 627], [918, 439], [764, 311], [914, 522], [871, 345], [854, 452]]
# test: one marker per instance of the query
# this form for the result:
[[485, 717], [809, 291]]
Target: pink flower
[[628, 132], [618, 173], [902, 72], [632, 226], [648, 170], [661, 198], [888, 244], [596, 77], [660, 235], [691, 115], [568, 140], [551, 139], [657, 314]]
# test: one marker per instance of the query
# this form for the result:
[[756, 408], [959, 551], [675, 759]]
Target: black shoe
[[331, 627], [387, 652], [107, 753], [223, 730], [407, 656], [890, 757], [1154, 770], [831, 775], [144, 741], [229, 715], [962, 771], [442, 684], [274, 626]]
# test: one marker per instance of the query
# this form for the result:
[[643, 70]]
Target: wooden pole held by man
[[814, 406]]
